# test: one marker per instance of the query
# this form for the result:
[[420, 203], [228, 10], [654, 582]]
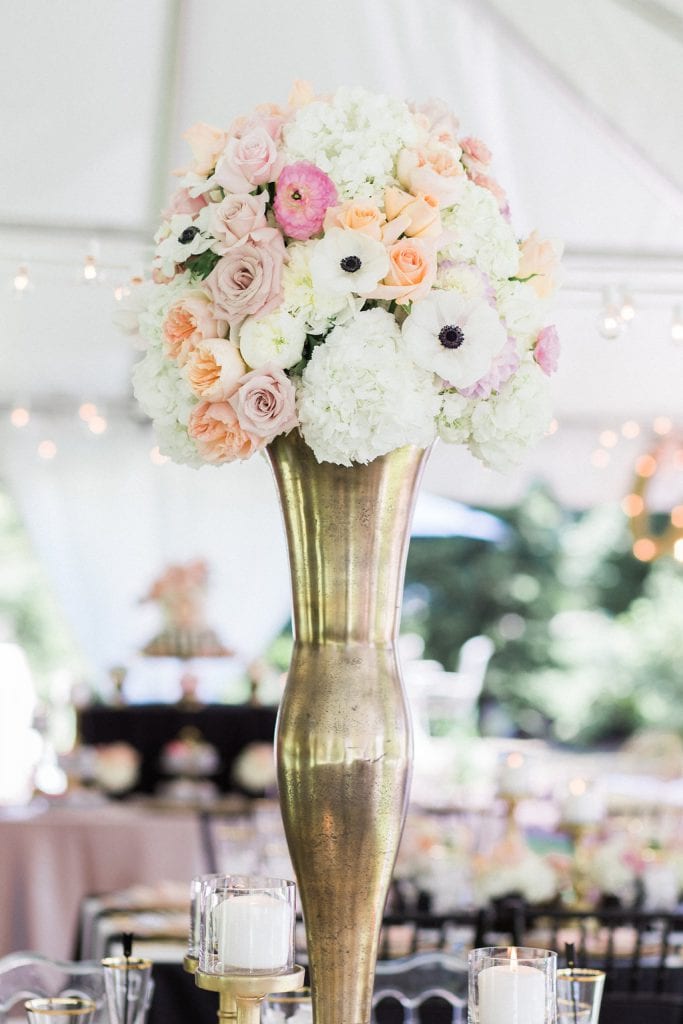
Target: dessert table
[[148, 727], [52, 857]]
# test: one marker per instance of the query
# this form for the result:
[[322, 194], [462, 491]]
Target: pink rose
[[246, 281], [265, 403], [539, 260], [250, 157], [219, 438], [476, 155], [182, 202], [435, 172], [235, 217], [189, 321], [206, 143], [547, 349]]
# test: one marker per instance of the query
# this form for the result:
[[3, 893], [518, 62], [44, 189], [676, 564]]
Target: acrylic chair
[[27, 975], [428, 987]]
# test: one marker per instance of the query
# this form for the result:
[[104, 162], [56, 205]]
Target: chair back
[[413, 981], [27, 975]]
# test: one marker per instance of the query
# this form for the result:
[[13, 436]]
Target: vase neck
[[348, 530]]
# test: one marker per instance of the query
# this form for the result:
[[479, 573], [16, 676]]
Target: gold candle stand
[[240, 995]]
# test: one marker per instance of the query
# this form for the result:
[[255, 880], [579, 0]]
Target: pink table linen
[[50, 861]]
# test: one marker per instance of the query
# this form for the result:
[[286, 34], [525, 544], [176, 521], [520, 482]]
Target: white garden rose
[[361, 396], [505, 425], [277, 339]]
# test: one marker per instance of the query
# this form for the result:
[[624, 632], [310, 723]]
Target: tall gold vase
[[344, 743]]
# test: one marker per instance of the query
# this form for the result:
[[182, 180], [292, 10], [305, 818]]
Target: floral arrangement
[[344, 266], [180, 592]]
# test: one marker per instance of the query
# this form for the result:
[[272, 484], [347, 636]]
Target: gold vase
[[344, 742]]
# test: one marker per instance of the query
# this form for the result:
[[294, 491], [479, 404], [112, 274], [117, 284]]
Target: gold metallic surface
[[344, 740], [241, 995]]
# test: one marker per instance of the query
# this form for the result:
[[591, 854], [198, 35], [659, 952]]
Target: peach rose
[[433, 171], [182, 202], [412, 270], [207, 144], [189, 321], [219, 438], [540, 258], [364, 217], [301, 94], [235, 217], [265, 403], [214, 369], [416, 216], [247, 280]]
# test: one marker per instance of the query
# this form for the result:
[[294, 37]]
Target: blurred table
[[148, 727], [52, 858]]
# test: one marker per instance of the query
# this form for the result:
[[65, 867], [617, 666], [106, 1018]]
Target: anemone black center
[[187, 235], [451, 336], [351, 264]]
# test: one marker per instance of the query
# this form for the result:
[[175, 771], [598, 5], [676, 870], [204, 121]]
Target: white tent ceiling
[[582, 105]]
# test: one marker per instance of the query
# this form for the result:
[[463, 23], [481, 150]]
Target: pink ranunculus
[[502, 368], [214, 428], [206, 143], [539, 260], [182, 202], [247, 280], [235, 217], [250, 158], [435, 172], [303, 194], [190, 320], [547, 349], [265, 403]]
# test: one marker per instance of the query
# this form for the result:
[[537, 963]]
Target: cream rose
[[541, 259], [217, 434], [214, 368], [206, 143], [189, 321], [265, 403], [247, 280], [433, 171]]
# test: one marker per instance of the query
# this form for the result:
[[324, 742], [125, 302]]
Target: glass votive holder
[[511, 985], [60, 1010], [128, 987], [193, 939], [247, 925], [288, 1008], [579, 995]]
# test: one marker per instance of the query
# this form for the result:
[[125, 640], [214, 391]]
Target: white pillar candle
[[253, 932], [511, 994]]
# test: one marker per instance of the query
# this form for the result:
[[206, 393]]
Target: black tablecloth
[[148, 727]]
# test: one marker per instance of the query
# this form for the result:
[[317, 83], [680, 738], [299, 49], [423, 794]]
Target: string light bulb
[[627, 308], [19, 416], [677, 325], [89, 268], [21, 279], [47, 449]]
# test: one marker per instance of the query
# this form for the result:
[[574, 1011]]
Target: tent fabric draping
[[585, 138]]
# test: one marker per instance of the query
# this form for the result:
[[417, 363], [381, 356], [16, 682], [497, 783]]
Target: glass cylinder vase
[[344, 746]]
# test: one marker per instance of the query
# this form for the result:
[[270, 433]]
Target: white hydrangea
[[521, 310], [355, 138], [505, 425], [454, 421], [469, 281], [477, 231], [165, 396], [318, 310], [277, 339], [360, 396], [532, 877]]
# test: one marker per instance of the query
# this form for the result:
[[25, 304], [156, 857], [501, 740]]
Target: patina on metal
[[344, 742]]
